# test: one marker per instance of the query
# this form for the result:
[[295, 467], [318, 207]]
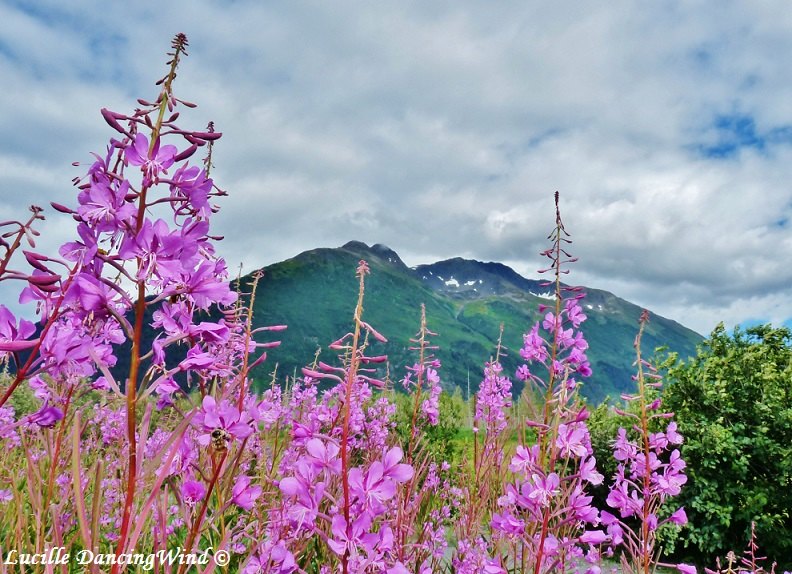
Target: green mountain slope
[[315, 293]]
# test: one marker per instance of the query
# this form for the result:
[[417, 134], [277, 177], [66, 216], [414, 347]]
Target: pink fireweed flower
[[573, 440], [91, 295], [371, 487], [392, 469], [244, 494], [306, 494], [622, 498], [679, 517], [270, 409], [507, 523], [593, 537], [323, 456], [580, 505], [210, 332], [473, 558], [40, 388], [46, 417], [623, 449], [551, 323], [566, 338], [614, 529], [72, 349], [544, 488], [191, 184], [225, 416], [152, 164], [534, 347], [197, 358], [574, 312], [104, 206], [588, 471], [14, 337], [346, 539], [206, 285], [7, 427], [524, 459], [173, 318], [164, 389], [430, 407], [192, 492], [670, 484], [686, 568], [271, 559], [672, 435], [493, 398], [580, 342]]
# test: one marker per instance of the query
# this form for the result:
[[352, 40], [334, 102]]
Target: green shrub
[[733, 404]]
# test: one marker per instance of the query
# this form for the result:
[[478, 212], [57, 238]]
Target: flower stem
[[140, 309], [351, 375]]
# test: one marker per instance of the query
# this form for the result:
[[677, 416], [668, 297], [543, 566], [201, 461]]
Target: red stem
[[351, 375], [140, 308]]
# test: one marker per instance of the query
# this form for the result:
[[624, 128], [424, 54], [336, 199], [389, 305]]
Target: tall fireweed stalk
[[544, 521], [650, 472]]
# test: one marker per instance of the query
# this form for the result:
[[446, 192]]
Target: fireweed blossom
[[193, 492], [378, 532], [152, 159], [13, 336], [244, 494], [225, 417], [650, 471], [544, 512]]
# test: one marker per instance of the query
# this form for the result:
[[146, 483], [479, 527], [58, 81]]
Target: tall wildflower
[[474, 553], [424, 504], [650, 472], [545, 520], [750, 562], [340, 478], [130, 261]]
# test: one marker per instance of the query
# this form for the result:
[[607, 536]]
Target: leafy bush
[[733, 404]]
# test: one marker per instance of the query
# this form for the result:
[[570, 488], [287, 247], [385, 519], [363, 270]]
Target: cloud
[[443, 129]]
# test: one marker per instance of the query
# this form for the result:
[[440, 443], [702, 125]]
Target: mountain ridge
[[315, 291]]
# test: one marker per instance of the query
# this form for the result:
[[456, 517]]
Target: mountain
[[466, 301]]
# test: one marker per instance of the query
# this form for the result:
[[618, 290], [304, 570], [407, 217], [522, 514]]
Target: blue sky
[[442, 129]]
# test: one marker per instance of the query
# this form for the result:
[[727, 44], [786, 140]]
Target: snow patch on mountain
[[546, 295]]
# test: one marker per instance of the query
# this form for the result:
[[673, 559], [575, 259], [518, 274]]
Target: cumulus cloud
[[442, 129]]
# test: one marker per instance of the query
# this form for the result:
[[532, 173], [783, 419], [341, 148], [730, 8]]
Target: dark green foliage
[[733, 404], [603, 425], [441, 441]]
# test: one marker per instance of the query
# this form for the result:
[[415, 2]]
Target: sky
[[442, 129]]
